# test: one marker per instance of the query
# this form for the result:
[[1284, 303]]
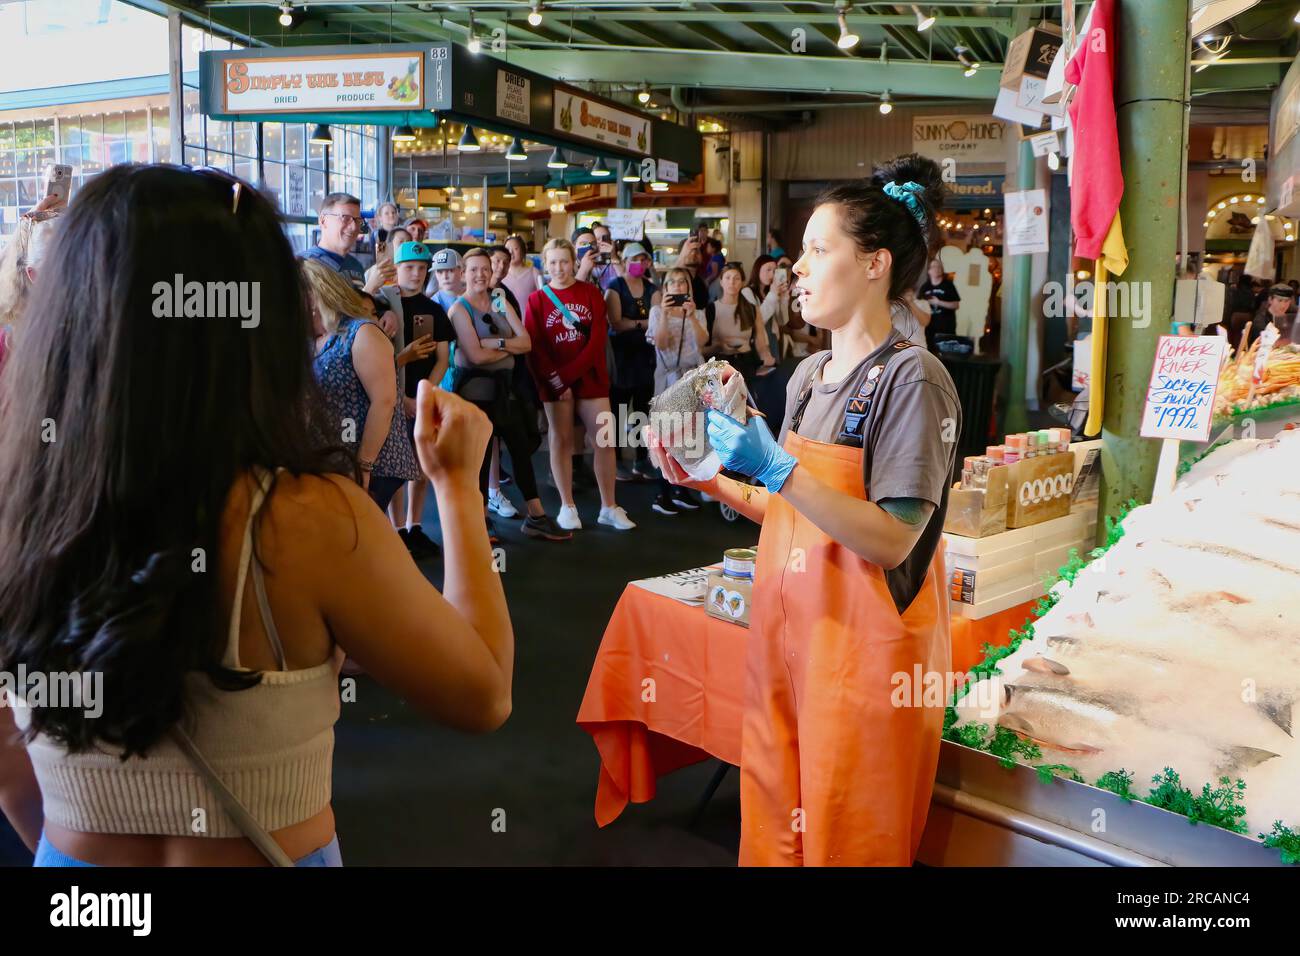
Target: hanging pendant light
[[923, 20], [516, 150], [510, 192], [403, 134], [535, 15], [598, 168], [557, 160], [320, 136], [886, 107], [468, 141], [847, 40]]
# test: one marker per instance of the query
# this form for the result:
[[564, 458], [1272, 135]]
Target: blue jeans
[[47, 855]]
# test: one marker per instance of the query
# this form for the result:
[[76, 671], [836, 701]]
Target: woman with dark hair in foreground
[[208, 555]]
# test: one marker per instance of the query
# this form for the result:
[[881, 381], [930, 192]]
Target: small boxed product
[[731, 591], [1031, 54]]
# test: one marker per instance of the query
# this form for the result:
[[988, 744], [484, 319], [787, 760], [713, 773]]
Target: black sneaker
[[646, 471], [665, 505], [623, 473], [544, 526], [406, 538], [420, 544], [683, 498]]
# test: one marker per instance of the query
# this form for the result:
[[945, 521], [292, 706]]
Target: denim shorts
[[47, 855]]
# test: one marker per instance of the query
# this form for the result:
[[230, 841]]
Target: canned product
[[739, 563]]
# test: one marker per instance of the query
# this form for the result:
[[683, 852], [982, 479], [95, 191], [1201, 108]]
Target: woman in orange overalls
[[850, 605]]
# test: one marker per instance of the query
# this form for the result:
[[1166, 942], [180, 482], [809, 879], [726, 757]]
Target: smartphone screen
[[421, 325], [58, 180]]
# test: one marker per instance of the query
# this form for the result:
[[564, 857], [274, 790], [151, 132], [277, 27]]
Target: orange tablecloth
[[668, 687]]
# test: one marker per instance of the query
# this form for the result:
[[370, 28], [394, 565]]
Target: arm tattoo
[[911, 511]]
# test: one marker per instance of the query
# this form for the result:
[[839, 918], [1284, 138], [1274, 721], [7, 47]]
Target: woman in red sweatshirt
[[566, 322]]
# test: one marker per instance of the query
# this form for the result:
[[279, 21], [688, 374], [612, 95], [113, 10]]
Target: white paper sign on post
[[626, 223], [1184, 380], [1026, 222]]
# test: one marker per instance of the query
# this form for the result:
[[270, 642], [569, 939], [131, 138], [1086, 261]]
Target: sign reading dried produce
[[367, 81], [589, 119]]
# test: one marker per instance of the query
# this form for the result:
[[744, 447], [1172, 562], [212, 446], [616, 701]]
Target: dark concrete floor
[[409, 793]]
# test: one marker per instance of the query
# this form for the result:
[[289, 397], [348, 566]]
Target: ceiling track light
[[643, 95], [1207, 43], [971, 65], [886, 107], [923, 20], [847, 40], [475, 45], [286, 15], [535, 15], [468, 141]]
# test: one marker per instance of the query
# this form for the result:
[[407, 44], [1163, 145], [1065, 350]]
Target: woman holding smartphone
[[677, 332], [849, 589], [489, 339], [768, 291]]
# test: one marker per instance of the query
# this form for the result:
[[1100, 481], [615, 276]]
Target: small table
[[667, 689]]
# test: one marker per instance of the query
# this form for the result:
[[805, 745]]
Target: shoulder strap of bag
[[246, 822], [569, 318]]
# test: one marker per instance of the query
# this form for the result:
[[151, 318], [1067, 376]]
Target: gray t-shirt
[[909, 437]]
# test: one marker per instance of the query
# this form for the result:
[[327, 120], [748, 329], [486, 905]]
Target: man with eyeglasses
[[340, 227]]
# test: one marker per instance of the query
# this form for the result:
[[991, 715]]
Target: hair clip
[[909, 195], [238, 189]]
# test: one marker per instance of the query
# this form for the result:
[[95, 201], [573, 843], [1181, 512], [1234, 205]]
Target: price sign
[[1184, 379]]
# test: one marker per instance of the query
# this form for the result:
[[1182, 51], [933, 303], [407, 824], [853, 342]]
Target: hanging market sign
[[576, 115], [512, 97], [355, 81], [974, 139]]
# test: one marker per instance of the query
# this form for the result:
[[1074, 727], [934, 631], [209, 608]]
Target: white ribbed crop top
[[273, 746]]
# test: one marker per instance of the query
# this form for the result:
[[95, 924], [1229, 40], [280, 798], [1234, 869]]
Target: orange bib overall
[[832, 773]]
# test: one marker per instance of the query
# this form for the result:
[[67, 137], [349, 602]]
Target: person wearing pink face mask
[[627, 306]]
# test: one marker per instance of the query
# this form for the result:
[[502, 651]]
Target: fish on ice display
[[1177, 648]]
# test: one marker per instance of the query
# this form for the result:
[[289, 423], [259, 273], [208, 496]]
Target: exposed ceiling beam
[[763, 71]]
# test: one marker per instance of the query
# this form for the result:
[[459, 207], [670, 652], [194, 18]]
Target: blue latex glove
[[750, 449]]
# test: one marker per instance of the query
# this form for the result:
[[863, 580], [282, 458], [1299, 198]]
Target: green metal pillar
[[1151, 83], [1016, 303]]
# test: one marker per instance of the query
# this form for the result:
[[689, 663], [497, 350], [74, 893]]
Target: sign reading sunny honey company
[[588, 119], [972, 139], [352, 81]]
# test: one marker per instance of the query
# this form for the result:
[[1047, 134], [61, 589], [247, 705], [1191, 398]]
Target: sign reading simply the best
[[1184, 379], [588, 119], [353, 81]]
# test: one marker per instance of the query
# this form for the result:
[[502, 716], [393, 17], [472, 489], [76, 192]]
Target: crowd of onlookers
[[565, 353], [570, 350]]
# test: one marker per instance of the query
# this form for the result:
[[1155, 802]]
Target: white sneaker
[[568, 518], [501, 504], [704, 497], [616, 518]]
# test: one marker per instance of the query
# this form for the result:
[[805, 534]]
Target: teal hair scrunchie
[[908, 194]]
